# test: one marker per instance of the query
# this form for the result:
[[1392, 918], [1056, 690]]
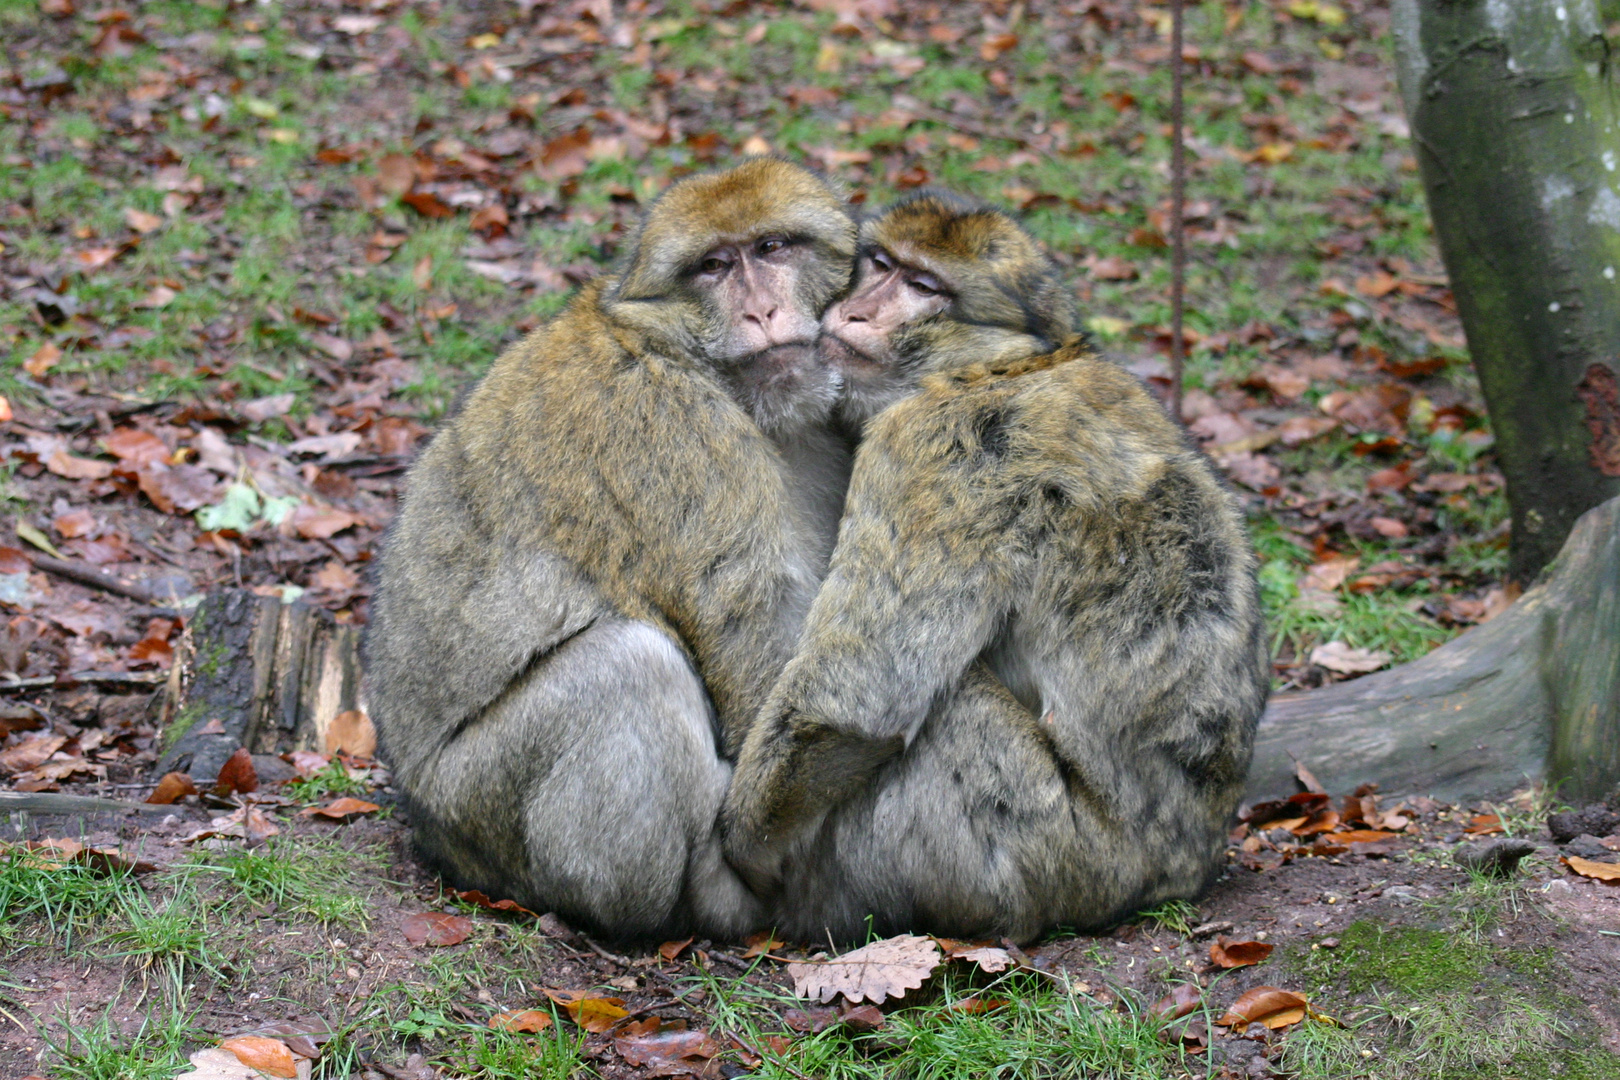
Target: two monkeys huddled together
[[811, 573]]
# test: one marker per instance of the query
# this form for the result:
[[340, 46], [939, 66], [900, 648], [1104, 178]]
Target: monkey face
[[762, 297], [868, 337], [733, 271], [942, 282]]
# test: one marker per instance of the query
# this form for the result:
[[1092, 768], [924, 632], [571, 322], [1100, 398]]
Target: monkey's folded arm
[[914, 594]]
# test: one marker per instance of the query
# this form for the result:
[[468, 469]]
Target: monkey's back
[[1134, 633]]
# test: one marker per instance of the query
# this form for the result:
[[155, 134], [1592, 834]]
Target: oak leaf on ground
[[884, 969]]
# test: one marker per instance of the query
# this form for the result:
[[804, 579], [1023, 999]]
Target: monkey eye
[[769, 245], [714, 264], [882, 261], [925, 286]]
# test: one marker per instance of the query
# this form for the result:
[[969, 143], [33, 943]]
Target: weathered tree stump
[[254, 672], [1533, 694]]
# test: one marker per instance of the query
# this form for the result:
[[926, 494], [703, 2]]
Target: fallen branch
[[53, 802], [87, 574], [76, 678]]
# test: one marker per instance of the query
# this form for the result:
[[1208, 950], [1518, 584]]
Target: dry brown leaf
[[1111, 268], [669, 950], [759, 944], [396, 174], [875, 972], [1362, 836], [810, 1021], [72, 467], [30, 752], [473, 896], [334, 577], [321, 522], [1340, 657], [1483, 825], [436, 928], [141, 221], [217, 1063], [237, 774], [135, 447], [1182, 999], [352, 733], [594, 1014], [1606, 872], [45, 357], [1235, 954], [341, 809], [245, 823], [526, 1020], [667, 1053], [270, 1056], [1266, 1005], [178, 489], [989, 959], [74, 524], [172, 788]]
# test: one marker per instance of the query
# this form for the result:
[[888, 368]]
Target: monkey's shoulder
[[1064, 406]]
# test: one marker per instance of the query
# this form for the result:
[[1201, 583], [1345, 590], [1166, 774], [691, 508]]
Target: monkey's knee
[[622, 826]]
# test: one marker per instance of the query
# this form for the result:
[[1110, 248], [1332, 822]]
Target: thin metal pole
[[1178, 207]]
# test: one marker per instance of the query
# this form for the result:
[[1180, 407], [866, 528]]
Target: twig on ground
[[61, 682], [55, 802], [622, 961], [86, 574]]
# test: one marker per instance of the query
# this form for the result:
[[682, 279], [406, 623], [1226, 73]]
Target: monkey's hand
[[793, 769]]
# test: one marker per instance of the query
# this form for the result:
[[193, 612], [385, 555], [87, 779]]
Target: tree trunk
[[1533, 694], [253, 672], [1515, 117]]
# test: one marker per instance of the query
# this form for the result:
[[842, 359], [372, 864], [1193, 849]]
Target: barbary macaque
[[1026, 693], [604, 558]]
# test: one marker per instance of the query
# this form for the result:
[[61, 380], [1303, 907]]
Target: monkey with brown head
[[603, 559], [1026, 692]]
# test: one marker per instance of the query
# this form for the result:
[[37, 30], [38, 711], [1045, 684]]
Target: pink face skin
[[765, 349], [856, 331], [757, 282]]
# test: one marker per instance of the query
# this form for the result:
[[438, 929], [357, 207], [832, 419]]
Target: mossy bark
[[1514, 107], [274, 676], [1534, 694]]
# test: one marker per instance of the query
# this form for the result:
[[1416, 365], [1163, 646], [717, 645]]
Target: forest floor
[[248, 253]]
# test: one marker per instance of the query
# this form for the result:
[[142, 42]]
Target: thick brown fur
[[604, 529], [1026, 693]]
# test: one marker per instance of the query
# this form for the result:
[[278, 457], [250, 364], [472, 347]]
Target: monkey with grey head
[[1026, 693], [603, 559]]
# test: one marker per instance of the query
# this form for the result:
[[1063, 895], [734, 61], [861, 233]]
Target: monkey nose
[[762, 316]]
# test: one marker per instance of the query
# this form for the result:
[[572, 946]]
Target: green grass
[[1423, 1003], [63, 899], [496, 1055], [100, 1050], [330, 782], [1177, 916], [1041, 1030], [173, 933], [308, 877]]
